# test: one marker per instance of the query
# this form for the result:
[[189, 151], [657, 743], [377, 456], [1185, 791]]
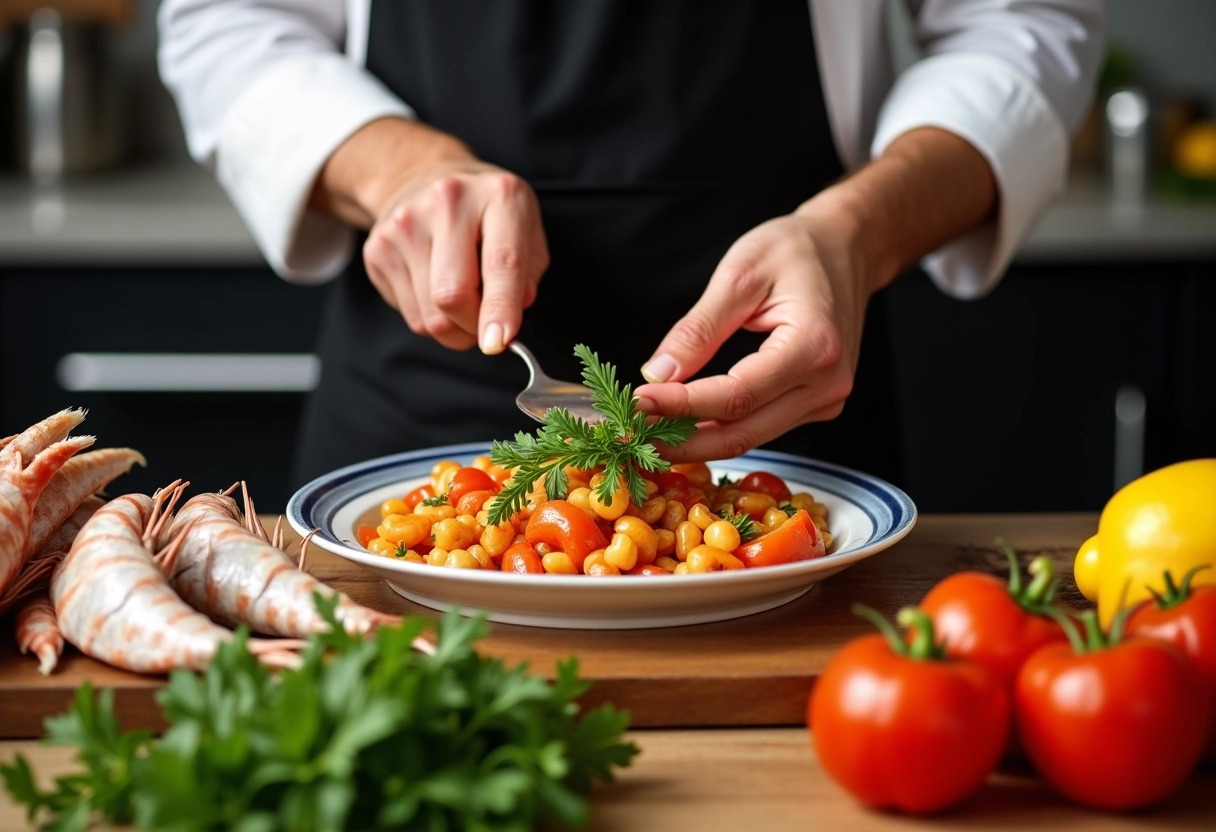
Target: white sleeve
[[266, 95], [1013, 78]]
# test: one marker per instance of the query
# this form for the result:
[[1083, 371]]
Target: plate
[[866, 515]]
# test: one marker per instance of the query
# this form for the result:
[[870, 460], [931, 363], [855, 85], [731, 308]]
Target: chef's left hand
[[798, 278]]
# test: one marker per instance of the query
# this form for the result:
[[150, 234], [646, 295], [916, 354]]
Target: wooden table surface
[[747, 679]]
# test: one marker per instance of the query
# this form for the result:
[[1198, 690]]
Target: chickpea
[[723, 535], [665, 542], [393, 505], [497, 539], [616, 506], [581, 498], [642, 535], [773, 518], [461, 559], [410, 529], [702, 516], [674, 514], [688, 537], [622, 552], [600, 568], [558, 563], [754, 503]]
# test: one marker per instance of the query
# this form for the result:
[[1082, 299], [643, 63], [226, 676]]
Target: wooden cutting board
[[756, 670]]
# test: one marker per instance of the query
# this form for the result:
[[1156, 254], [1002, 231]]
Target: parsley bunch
[[367, 734], [621, 442]]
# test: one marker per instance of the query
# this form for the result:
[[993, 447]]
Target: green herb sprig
[[366, 734], [621, 442], [742, 522]]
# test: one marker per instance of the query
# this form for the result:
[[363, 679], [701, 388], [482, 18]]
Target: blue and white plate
[[866, 515]]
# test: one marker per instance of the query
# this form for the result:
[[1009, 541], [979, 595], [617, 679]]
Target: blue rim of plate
[[891, 511]]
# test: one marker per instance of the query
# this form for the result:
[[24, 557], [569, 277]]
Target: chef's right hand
[[459, 251]]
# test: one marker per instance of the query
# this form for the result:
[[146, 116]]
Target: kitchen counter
[[178, 215], [730, 777]]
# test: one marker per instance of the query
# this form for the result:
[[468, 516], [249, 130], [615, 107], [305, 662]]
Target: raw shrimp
[[81, 476], [20, 487], [115, 605], [38, 632], [41, 435], [228, 568], [35, 576]]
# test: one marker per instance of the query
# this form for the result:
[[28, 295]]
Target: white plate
[[866, 515]]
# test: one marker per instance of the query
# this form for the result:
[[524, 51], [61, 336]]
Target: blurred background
[[129, 285]]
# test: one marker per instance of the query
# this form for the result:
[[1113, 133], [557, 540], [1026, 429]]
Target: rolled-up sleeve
[[265, 96], [1014, 78]]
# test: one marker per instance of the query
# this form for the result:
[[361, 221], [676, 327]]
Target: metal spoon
[[544, 392]]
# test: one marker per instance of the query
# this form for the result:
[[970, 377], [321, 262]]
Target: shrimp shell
[[228, 570], [38, 632], [115, 605], [82, 475], [20, 487]]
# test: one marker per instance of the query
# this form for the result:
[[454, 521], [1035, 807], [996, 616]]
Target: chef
[[710, 194]]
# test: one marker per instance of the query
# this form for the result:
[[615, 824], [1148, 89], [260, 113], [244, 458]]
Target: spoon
[[544, 392]]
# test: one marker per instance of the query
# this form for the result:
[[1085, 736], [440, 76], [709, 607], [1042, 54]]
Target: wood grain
[[768, 779], [753, 671]]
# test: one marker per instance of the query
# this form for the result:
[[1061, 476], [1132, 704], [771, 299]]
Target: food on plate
[[1164, 520], [364, 734], [597, 499], [228, 568], [28, 461], [1111, 722], [902, 726], [1185, 616], [114, 604]]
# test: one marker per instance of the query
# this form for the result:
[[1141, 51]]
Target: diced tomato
[[795, 539], [522, 559], [472, 501], [470, 479], [566, 528], [765, 483], [366, 534], [422, 492]]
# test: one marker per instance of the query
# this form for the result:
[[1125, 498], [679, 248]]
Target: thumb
[[718, 314]]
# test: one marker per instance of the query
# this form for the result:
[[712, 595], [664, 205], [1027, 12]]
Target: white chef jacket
[[268, 89]]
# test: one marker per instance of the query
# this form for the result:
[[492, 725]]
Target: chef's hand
[[796, 277], [455, 244], [805, 279]]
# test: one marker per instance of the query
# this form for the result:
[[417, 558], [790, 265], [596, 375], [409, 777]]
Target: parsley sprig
[[621, 442], [367, 734], [743, 522]]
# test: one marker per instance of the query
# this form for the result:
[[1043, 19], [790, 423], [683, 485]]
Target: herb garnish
[[743, 522], [437, 500], [367, 734], [621, 443]]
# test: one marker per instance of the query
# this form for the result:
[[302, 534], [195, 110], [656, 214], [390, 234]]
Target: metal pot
[[67, 108]]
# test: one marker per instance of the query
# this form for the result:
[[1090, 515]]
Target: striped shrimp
[[20, 486], [38, 632], [229, 569], [37, 628], [115, 605], [81, 476]]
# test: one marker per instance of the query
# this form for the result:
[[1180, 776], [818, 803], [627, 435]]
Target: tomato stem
[[897, 644], [1173, 595], [1038, 595], [924, 645]]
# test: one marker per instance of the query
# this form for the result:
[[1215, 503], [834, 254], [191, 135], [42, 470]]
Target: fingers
[[513, 256], [460, 257], [735, 291]]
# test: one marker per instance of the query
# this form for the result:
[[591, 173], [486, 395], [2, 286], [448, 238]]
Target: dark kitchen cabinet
[[211, 438], [1008, 402]]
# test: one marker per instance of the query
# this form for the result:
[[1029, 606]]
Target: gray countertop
[[176, 215]]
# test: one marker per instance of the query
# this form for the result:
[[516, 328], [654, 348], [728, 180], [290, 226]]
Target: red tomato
[[1114, 725], [366, 534], [998, 624], [422, 492], [470, 479], [522, 559], [795, 539], [670, 479], [566, 528], [765, 483], [472, 501], [1185, 617], [903, 727]]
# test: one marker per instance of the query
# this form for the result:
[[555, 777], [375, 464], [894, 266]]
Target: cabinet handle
[[124, 372], [1130, 407]]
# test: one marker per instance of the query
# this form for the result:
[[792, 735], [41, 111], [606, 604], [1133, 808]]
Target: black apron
[[655, 133]]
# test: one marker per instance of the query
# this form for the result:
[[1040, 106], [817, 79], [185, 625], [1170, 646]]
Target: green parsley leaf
[[621, 442], [437, 500], [366, 734], [743, 522]]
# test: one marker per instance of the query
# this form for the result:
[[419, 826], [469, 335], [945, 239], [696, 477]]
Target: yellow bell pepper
[[1165, 520]]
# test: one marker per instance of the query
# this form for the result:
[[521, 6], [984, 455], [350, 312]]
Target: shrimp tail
[[38, 632], [81, 476], [41, 435], [35, 576]]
